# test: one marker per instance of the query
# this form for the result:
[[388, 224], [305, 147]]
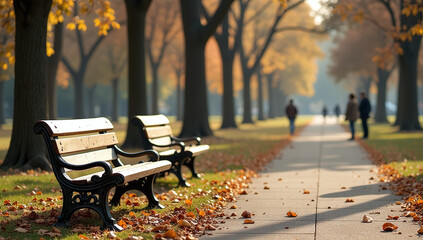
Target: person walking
[[365, 109], [352, 114], [337, 111], [324, 112], [291, 112]]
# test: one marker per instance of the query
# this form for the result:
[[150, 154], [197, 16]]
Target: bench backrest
[[156, 128], [79, 141]]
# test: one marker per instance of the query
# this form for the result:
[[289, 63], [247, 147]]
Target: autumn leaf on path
[[246, 214], [367, 219], [291, 214], [266, 187], [170, 234], [233, 207], [389, 227], [306, 192], [349, 200], [392, 217], [248, 221], [420, 231]]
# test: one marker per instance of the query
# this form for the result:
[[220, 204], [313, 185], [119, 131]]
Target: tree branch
[[207, 31], [68, 66], [94, 46]]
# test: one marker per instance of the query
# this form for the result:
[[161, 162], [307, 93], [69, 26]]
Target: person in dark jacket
[[352, 114], [324, 112], [365, 109], [291, 112], [337, 111]]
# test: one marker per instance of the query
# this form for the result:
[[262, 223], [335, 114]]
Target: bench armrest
[[154, 155], [105, 165], [188, 139], [181, 145]]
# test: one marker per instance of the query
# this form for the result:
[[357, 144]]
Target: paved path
[[321, 161]]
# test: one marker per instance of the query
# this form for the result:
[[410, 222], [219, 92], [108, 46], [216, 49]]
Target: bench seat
[[157, 135]]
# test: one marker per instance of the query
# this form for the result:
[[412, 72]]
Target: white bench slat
[[161, 141], [153, 120], [77, 126], [133, 172], [76, 144], [197, 149], [156, 132], [105, 155]]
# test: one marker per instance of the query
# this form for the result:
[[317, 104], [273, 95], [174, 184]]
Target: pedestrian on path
[[291, 112], [352, 114], [337, 111], [365, 109], [324, 112]]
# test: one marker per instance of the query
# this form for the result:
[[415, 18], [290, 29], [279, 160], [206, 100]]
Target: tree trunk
[[196, 122], [260, 95], [27, 150], [115, 99], [408, 118], [179, 99], [408, 115], [155, 88], [53, 63], [247, 116], [380, 115], [271, 95], [137, 96], [227, 54]]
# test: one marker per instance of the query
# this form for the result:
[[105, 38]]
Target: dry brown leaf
[[134, 238], [420, 231], [78, 230], [367, 219], [349, 200], [170, 234], [389, 227], [233, 207], [159, 228], [211, 227], [248, 221], [266, 187], [184, 223], [246, 214], [306, 192], [21, 230], [111, 235]]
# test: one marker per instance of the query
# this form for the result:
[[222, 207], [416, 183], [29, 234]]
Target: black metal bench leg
[[119, 191], [103, 209], [67, 209], [177, 170], [190, 164], [145, 185]]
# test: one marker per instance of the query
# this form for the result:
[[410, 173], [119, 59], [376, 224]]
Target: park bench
[[90, 145], [157, 134]]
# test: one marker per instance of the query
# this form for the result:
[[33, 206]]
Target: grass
[[402, 150], [251, 146]]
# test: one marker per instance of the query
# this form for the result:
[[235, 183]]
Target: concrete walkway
[[332, 169]]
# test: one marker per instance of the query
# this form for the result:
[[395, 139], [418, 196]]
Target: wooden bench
[[87, 144], [157, 134]]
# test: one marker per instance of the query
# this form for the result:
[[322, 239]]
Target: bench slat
[[76, 144], [161, 141], [133, 172], [156, 132], [153, 120], [105, 155], [77, 126]]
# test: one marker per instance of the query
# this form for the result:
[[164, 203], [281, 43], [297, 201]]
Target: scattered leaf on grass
[[389, 227], [184, 223], [291, 214], [83, 237], [188, 202], [21, 230], [111, 235], [367, 219], [248, 221], [170, 234]]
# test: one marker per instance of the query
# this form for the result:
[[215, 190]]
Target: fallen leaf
[[306, 192], [78, 230], [291, 214], [246, 214], [398, 203], [389, 227], [111, 235], [248, 221], [122, 223], [21, 230], [56, 230], [279, 179], [184, 223], [420, 231], [211, 227], [134, 238], [159, 228], [392, 217], [243, 192], [233, 207], [83, 237], [349, 200], [188, 202], [367, 219], [170, 234], [266, 188]]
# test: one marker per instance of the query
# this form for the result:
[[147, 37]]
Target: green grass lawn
[[402, 150], [250, 146]]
